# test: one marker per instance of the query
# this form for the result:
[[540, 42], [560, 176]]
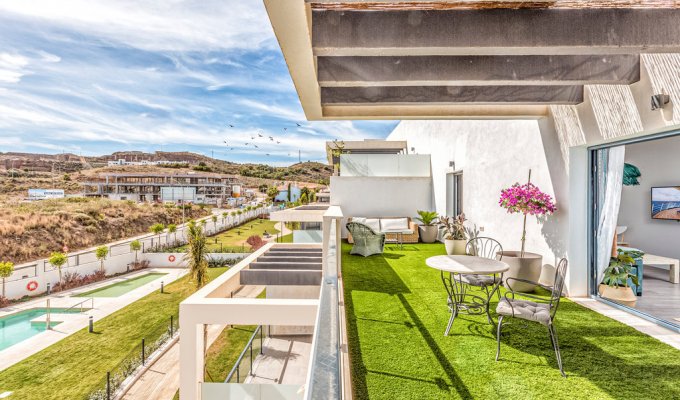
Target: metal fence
[[117, 377]]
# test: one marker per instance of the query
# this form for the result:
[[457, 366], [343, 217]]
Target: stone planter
[[528, 267], [455, 247], [428, 233], [623, 295]]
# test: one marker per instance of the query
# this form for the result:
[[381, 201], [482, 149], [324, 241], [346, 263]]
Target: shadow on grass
[[458, 383]]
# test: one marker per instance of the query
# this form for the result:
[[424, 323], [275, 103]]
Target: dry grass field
[[33, 230]]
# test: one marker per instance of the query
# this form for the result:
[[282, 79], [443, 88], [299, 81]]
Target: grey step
[[268, 258], [299, 249], [280, 277], [292, 254], [285, 265]]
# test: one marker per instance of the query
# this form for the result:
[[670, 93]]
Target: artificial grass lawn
[[397, 313], [74, 366], [235, 238]]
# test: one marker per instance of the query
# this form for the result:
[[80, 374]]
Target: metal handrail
[[81, 304], [249, 346]]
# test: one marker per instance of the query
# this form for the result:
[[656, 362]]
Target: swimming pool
[[120, 288], [15, 328]]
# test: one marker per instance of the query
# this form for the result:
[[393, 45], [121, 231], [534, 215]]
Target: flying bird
[[225, 141], [285, 129], [252, 137], [259, 134], [271, 138], [277, 142], [232, 148], [267, 153], [256, 146], [247, 143], [231, 126]]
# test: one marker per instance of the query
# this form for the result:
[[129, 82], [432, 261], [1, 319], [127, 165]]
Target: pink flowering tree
[[526, 199]]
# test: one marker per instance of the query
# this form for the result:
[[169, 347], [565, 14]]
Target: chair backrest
[[359, 230], [558, 286], [485, 247]]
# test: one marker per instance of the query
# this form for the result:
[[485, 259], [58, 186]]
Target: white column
[[191, 357]]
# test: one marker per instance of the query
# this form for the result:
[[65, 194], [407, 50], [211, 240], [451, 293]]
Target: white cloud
[[157, 25]]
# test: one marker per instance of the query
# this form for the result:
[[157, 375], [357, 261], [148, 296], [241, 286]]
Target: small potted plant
[[428, 229], [615, 280], [526, 199], [454, 234]]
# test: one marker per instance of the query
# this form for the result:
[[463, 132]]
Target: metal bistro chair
[[487, 248], [541, 310], [366, 241]]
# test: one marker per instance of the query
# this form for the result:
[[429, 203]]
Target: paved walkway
[[71, 323], [161, 381], [285, 361]]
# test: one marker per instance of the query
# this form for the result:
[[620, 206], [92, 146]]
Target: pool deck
[[103, 306]]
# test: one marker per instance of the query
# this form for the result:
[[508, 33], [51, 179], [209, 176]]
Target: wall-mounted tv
[[666, 203]]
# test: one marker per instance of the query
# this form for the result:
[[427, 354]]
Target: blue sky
[[93, 77]]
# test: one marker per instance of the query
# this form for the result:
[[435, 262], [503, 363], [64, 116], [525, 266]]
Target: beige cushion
[[524, 309], [373, 223], [394, 224]]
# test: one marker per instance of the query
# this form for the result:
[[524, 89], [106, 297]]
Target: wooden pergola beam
[[486, 5]]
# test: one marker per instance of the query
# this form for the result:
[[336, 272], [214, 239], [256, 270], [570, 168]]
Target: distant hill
[[83, 168]]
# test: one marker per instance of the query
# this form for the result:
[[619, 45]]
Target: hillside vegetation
[[30, 231]]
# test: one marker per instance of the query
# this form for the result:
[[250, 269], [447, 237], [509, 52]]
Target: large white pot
[[455, 247], [428, 233], [623, 295], [528, 267]]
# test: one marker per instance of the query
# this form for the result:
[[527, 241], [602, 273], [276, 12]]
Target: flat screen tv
[[666, 203]]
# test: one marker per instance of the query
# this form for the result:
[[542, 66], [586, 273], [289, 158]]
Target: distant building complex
[[194, 188], [143, 162]]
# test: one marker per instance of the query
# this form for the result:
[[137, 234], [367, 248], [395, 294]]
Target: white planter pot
[[528, 267], [428, 233], [455, 247]]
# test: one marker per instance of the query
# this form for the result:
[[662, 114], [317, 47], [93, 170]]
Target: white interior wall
[[493, 155], [659, 164]]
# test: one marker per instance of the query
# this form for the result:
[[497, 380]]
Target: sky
[[91, 77]]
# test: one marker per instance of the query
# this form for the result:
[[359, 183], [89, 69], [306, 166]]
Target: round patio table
[[453, 271]]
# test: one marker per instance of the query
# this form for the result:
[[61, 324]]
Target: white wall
[[385, 165], [659, 164], [493, 155], [381, 196]]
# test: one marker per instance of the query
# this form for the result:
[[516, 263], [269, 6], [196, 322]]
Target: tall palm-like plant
[[58, 259], [196, 252], [6, 270], [224, 217], [233, 217], [101, 252], [172, 228], [214, 220]]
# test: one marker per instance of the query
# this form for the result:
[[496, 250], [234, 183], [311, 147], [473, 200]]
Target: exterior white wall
[[493, 155], [385, 165], [381, 196]]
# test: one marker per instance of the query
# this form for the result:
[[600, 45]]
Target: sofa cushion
[[394, 224], [373, 223]]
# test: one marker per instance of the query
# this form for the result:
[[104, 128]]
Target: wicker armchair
[[366, 241]]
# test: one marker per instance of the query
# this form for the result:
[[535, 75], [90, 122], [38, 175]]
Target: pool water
[[15, 328], [120, 288]]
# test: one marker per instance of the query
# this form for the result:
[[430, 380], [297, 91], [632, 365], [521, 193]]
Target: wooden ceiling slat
[[483, 5]]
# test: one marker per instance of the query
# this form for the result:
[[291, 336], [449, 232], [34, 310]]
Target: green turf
[[397, 313], [120, 288], [235, 239], [73, 367]]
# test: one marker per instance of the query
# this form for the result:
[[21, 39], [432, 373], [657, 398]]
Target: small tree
[[172, 228], [214, 220], [58, 259], [290, 194], [239, 213], [6, 270], [224, 217], [157, 229], [101, 252], [135, 246], [272, 192]]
